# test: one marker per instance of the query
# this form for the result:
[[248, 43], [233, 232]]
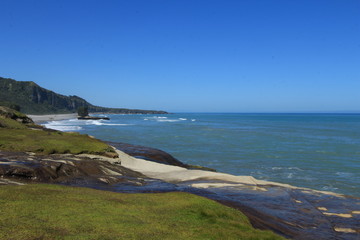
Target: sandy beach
[[52, 117]]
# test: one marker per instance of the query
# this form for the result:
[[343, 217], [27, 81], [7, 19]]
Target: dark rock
[[154, 155], [93, 118], [63, 169], [72, 170], [150, 154], [196, 167]]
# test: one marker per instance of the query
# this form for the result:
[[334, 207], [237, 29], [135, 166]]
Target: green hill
[[33, 99]]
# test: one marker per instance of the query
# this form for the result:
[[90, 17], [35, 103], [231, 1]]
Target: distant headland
[[30, 98]]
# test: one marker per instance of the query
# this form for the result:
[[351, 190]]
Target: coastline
[[52, 117], [55, 117], [290, 211], [295, 212]]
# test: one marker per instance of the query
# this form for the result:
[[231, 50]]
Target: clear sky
[[189, 55]]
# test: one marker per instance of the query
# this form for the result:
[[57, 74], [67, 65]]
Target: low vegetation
[[17, 136], [49, 142], [58, 212], [10, 124]]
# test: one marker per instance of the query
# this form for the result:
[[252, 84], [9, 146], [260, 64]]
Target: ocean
[[318, 151]]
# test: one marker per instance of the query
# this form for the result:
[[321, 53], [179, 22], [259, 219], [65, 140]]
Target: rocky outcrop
[[15, 115], [64, 169], [154, 155], [147, 153], [93, 118]]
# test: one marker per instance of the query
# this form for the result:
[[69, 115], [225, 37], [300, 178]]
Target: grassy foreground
[[42, 211]]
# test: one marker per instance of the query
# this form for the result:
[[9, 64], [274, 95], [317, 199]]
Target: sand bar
[[52, 117]]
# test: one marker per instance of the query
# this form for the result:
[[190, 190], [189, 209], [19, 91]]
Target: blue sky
[[189, 55]]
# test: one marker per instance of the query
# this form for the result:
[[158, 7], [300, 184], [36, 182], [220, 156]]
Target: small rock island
[[83, 114]]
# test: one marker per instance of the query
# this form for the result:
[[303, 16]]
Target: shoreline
[[293, 212], [52, 117], [177, 174], [171, 173], [41, 119]]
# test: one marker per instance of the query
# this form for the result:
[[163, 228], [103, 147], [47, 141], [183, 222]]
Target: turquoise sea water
[[319, 151]]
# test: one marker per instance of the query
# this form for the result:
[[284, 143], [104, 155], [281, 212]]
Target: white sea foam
[[193, 120], [287, 168], [76, 125], [63, 128], [344, 174], [62, 122], [290, 175], [329, 188], [164, 119], [295, 168], [102, 123], [64, 125], [168, 120], [93, 122]]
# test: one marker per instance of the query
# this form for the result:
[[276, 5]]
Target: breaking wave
[[77, 125], [166, 119], [63, 128]]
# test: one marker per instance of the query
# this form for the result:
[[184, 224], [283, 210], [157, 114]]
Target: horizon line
[[330, 112]]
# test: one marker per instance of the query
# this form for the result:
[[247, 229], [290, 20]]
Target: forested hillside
[[30, 98]]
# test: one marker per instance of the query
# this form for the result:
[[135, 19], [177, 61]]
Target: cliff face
[[34, 99]]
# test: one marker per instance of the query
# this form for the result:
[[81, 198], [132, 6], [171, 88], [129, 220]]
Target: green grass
[[49, 142], [9, 123], [57, 212], [19, 137]]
